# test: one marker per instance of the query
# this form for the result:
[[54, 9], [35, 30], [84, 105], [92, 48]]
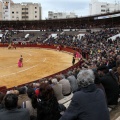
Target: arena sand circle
[[37, 63]]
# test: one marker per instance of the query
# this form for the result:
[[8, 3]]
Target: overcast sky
[[80, 7]]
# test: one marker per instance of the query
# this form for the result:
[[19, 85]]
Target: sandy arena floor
[[37, 63]]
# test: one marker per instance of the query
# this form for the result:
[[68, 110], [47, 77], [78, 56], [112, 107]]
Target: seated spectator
[[117, 74], [76, 71], [1, 100], [98, 83], [23, 97], [73, 81], [32, 111], [46, 103], [89, 103], [66, 88], [59, 77], [110, 84], [57, 89], [15, 92], [33, 85], [36, 88], [118, 61], [11, 112], [118, 57]]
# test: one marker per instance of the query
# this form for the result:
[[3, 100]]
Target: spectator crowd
[[95, 84]]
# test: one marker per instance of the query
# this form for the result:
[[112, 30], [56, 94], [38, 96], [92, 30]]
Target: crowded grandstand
[[88, 90]]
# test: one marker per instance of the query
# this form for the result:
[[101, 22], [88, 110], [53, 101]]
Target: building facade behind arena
[[20, 11], [96, 7], [61, 15], [0, 10]]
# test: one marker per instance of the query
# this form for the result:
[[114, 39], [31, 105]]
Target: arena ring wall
[[64, 56]]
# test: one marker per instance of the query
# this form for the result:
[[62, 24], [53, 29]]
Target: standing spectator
[[11, 112], [89, 103], [118, 62], [118, 75], [73, 61]]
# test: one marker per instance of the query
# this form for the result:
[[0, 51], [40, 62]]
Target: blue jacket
[[87, 104]]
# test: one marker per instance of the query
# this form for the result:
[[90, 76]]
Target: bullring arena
[[37, 63], [91, 36]]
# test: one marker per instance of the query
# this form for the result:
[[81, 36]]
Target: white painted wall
[[96, 7], [61, 15], [14, 11]]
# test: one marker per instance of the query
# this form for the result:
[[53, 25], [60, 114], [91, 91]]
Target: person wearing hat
[[89, 103], [2, 95]]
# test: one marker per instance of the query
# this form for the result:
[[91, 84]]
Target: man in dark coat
[[110, 84], [73, 60], [89, 103], [11, 112]]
